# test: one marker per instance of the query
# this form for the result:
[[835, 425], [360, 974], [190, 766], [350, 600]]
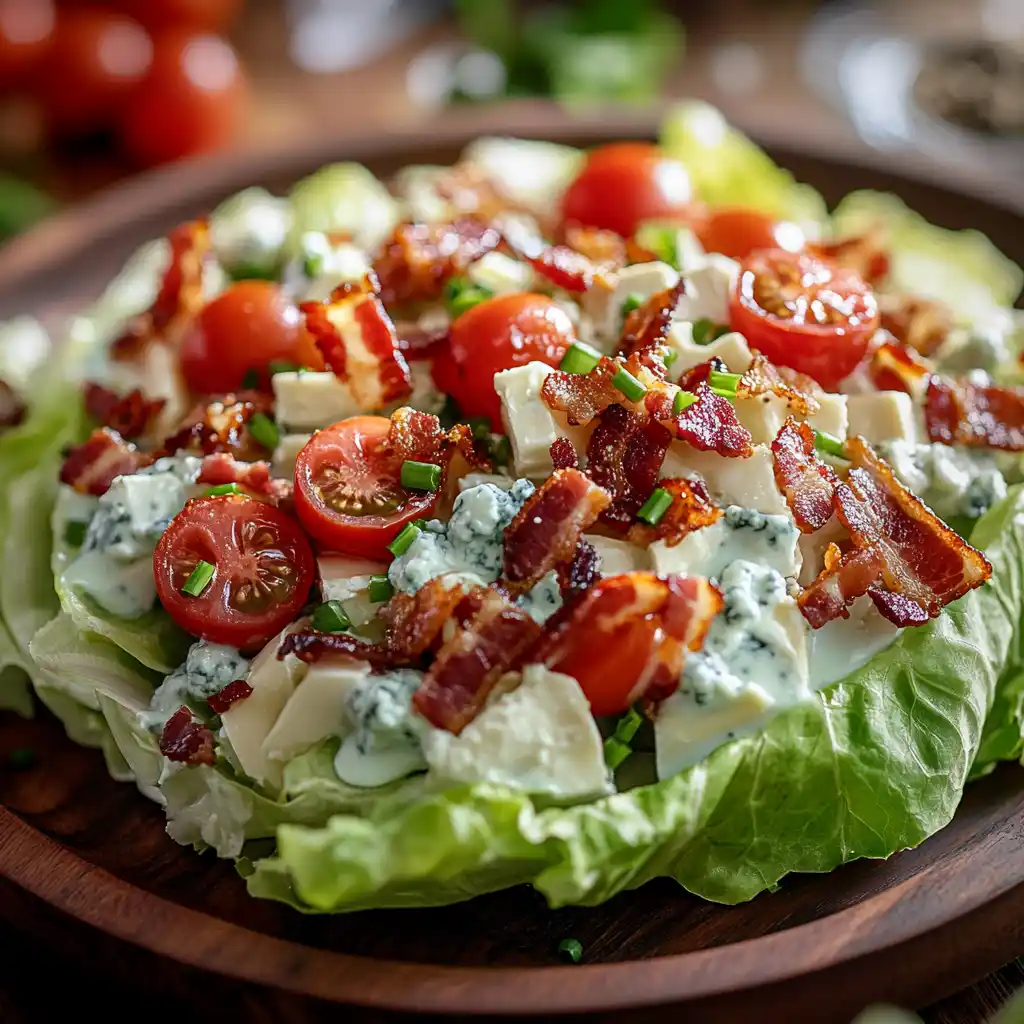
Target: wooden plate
[[88, 866]]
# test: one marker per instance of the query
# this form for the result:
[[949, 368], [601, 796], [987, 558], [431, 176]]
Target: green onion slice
[[570, 950], [629, 385], [408, 534], [830, 444], [420, 476], [718, 380], [330, 617], [655, 506], [199, 579], [264, 429], [579, 358], [682, 401], [633, 301], [216, 492], [380, 589], [460, 294], [706, 331]]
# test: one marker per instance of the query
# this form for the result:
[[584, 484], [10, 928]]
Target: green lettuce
[[727, 169], [874, 764]]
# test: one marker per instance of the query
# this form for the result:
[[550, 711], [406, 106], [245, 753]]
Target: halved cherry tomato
[[263, 569], [625, 183], [506, 331], [26, 34], [804, 313], [737, 232], [242, 330], [157, 15], [348, 496]]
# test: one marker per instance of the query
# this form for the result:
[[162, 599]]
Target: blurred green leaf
[[21, 205]]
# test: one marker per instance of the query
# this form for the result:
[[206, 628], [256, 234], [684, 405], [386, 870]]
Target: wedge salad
[[557, 517]]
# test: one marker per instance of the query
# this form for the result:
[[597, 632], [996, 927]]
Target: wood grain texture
[[90, 869]]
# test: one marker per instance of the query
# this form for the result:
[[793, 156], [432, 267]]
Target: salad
[[558, 517]]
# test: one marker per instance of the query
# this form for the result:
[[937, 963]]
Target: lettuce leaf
[[727, 169], [962, 268], [874, 764]]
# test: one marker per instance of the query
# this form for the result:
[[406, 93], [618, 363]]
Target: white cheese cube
[[310, 401], [833, 416], [540, 737], [618, 556], [710, 282], [882, 416], [762, 415], [747, 482], [731, 348], [286, 452], [603, 304], [501, 274], [338, 265]]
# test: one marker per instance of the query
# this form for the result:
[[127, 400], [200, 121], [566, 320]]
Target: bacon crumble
[[186, 740], [917, 323], [130, 415], [90, 468], [710, 425], [692, 509], [235, 691], [416, 621], [563, 454], [807, 483], [646, 327], [220, 423], [895, 368], [763, 378], [975, 415]]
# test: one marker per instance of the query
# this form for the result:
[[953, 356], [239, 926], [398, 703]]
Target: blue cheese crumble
[[468, 548], [208, 668]]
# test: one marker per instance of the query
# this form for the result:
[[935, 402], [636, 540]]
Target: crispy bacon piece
[[310, 646], [624, 456], [901, 543], [894, 368], [691, 509], [647, 326], [185, 739], [710, 425], [130, 415], [672, 612], [808, 484], [597, 244], [255, 477], [582, 572], [90, 468], [358, 342], [562, 266], [917, 323], [419, 258], [839, 584], [563, 454], [12, 409], [581, 396], [416, 621], [763, 378], [867, 253], [220, 423], [981, 416], [180, 296], [546, 530], [467, 668], [235, 691]]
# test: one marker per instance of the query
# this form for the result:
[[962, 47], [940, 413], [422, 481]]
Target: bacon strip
[[222, 468], [91, 468], [917, 323], [546, 530], [581, 396], [894, 368], [358, 342], [130, 415], [710, 425], [416, 621], [867, 253], [763, 378], [597, 244], [838, 585], [467, 668], [582, 572], [975, 415], [808, 484], [185, 739], [310, 646], [235, 691], [647, 326], [220, 423], [562, 266], [691, 509], [419, 258]]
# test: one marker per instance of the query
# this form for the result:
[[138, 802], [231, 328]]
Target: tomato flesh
[[241, 331], [498, 334], [347, 495], [804, 313], [625, 183], [263, 569], [737, 232]]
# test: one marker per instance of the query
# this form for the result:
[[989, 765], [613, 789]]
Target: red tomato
[[26, 32], [506, 331], [737, 232], [609, 671], [95, 62], [205, 15], [263, 569], [347, 496], [804, 313], [244, 329], [625, 183], [191, 101]]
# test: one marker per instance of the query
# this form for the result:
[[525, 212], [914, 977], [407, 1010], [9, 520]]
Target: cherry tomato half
[[346, 494], [26, 32], [506, 331], [737, 232], [243, 329], [191, 101], [804, 313], [625, 183], [207, 15], [263, 569]]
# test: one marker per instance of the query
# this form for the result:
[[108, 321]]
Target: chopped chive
[[461, 294], [615, 752], [22, 758], [503, 451], [481, 427], [330, 617], [683, 400], [662, 240], [404, 538], [264, 429], [724, 393], [579, 358], [216, 492], [420, 476], [617, 747], [74, 533], [199, 579], [669, 358], [570, 950], [706, 331], [629, 385], [251, 379], [633, 301], [655, 506], [380, 589], [830, 444], [282, 366], [719, 380], [313, 264]]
